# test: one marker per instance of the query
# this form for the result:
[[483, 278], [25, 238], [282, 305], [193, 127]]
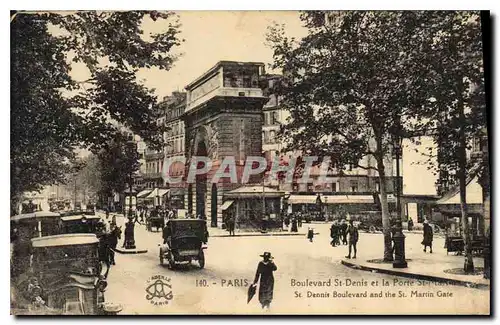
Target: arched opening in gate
[[213, 208]]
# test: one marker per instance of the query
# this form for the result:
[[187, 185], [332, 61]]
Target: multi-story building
[[175, 145], [153, 160], [274, 117], [363, 183]]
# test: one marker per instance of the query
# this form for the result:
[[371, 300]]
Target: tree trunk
[[468, 263], [386, 222]]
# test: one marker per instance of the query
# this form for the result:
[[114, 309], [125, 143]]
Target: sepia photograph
[[316, 162]]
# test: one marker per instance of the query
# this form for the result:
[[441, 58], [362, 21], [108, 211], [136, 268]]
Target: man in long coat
[[428, 236]]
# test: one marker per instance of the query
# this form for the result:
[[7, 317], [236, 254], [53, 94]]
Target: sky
[[212, 36]]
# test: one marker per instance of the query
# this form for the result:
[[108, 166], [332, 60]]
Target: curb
[[417, 276], [131, 251], [262, 235]]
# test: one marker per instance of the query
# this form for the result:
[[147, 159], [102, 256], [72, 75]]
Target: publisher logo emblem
[[159, 290]]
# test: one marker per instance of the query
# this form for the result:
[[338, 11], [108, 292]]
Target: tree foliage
[[351, 85], [360, 81], [52, 113], [118, 161]]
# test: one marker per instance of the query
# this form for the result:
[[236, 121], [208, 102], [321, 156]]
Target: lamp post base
[[399, 250]]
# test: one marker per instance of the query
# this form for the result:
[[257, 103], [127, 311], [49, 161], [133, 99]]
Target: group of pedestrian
[[347, 233], [338, 233]]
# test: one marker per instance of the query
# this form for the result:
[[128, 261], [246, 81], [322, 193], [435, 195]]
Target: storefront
[[335, 206], [141, 197], [449, 206], [157, 197], [252, 206]]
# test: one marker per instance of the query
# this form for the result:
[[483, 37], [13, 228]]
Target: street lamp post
[[129, 242], [399, 237]]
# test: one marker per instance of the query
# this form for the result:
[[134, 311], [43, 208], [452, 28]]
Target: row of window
[[269, 137], [175, 145], [154, 166], [271, 118], [175, 129], [174, 113]]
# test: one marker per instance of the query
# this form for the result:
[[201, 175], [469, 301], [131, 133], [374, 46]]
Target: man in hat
[[265, 270], [353, 233]]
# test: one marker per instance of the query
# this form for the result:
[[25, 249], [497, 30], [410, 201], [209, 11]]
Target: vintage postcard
[[250, 162]]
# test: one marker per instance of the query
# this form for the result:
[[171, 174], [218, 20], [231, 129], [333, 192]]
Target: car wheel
[[201, 259]]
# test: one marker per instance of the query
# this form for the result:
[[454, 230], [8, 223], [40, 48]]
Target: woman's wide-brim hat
[[266, 254]]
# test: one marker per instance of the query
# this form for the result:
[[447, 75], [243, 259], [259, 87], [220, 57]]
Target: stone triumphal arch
[[223, 117]]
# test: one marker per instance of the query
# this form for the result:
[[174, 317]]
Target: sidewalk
[[217, 232], [424, 266]]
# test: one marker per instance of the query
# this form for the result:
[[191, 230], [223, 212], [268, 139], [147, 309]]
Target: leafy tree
[[52, 113], [118, 160], [353, 86], [455, 59]]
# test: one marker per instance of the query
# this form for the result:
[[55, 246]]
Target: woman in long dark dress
[[294, 225], [265, 271], [428, 236]]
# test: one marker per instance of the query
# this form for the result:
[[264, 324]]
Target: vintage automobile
[[185, 241], [66, 276], [23, 228], [155, 221], [78, 222]]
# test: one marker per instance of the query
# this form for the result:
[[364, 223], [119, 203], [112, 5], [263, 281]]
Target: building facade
[[175, 146]]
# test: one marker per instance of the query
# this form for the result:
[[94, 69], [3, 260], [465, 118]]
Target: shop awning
[[347, 199], [157, 193], [302, 199], [144, 193], [254, 191], [226, 205], [331, 199]]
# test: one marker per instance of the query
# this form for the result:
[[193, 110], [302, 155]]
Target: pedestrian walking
[[310, 234], [353, 233], [114, 236], [294, 225], [428, 236], [410, 224], [299, 220], [287, 222], [333, 234], [343, 231], [265, 270], [231, 225]]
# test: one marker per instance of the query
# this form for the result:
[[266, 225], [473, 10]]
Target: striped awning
[[157, 193], [144, 193], [226, 205]]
